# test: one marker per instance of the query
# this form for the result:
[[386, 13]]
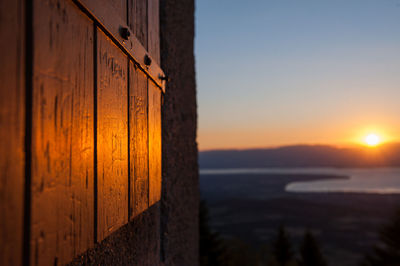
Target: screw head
[[125, 33], [147, 60]]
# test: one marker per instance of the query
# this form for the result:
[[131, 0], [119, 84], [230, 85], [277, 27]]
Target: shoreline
[[251, 206]]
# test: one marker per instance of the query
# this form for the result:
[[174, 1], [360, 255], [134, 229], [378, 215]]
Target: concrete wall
[[180, 194], [167, 233]]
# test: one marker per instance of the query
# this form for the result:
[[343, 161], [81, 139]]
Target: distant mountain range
[[386, 155]]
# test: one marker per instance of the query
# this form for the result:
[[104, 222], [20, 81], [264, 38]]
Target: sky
[[283, 72]]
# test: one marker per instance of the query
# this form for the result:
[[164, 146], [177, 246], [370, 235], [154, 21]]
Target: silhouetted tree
[[218, 251], [282, 248], [211, 247], [310, 253], [387, 253], [239, 253]]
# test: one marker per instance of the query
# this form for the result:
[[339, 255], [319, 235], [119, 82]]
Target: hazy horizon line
[[339, 146]]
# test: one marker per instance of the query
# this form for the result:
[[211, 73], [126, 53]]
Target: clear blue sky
[[277, 72]]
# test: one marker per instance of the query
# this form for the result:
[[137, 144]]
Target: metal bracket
[[105, 16]]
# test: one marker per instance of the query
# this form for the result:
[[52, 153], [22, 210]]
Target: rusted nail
[[147, 60], [125, 33]]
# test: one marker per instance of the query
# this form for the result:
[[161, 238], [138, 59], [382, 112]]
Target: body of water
[[365, 180]]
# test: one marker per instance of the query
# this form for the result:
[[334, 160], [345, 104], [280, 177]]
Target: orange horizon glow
[[239, 138]]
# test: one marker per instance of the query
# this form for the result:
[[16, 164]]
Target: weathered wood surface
[[138, 136], [154, 144], [62, 203], [137, 19], [120, 6], [112, 137], [106, 13], [12, 112], [153, 45], [62, 133]]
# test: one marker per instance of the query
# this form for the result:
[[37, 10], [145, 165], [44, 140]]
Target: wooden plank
[[120, 7], [137, 19], [62, 133], [154, 30], [103, 12], [11, 131], [154, 106], [112, 137], [138, 135], [154, 144]]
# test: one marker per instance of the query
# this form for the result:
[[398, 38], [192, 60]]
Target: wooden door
[[81, 154], [12, 130]]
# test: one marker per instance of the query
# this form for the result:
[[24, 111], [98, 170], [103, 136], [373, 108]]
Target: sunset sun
[[372, 140]]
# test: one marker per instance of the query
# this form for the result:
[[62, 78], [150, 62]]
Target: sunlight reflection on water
[[373, 180]]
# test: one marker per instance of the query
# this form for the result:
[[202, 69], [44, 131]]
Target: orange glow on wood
[[112, 138], [62, 141], [139, 149], [154, 144]]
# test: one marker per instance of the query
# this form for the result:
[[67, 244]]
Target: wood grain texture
[[62, 133], [120, 7], [138, 135], [153, 14], [112, 137], [154, 144], [153, 45], [109, 17], [137, 19], [12, 112], [154, 94]]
